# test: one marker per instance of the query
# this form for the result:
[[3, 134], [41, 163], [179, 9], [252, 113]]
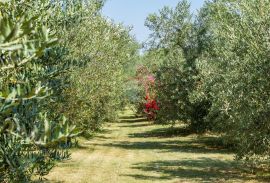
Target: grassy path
[[134, 150]]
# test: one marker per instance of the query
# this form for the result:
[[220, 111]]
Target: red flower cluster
[[147, 81], [151, 105], [150, 108]]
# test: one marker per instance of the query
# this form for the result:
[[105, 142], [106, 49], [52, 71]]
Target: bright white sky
[[134, 12]]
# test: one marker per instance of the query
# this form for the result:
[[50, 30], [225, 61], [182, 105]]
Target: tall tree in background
[[175, 37]]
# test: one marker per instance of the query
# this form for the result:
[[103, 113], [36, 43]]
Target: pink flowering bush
[[146, 80]]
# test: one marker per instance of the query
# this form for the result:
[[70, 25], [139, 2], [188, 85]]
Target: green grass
[[135, 150]]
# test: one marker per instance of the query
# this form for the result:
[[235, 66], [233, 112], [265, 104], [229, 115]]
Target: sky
[[134, 12]]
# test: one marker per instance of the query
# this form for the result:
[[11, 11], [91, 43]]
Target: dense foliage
[[235, 73], [212, 70], [31, 140], [174, 39], [98, 85], [51, 79], [65, 69]]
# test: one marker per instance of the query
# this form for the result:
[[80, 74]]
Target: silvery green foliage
[[174, 39], [29, 141], [235, 73], [215, 70], [102, 51]]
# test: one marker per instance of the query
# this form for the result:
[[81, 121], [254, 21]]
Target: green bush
[[212, 70], [235, 75], [175, 40], [101, 52], [30, 141]]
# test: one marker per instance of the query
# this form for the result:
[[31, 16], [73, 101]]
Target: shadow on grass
[[163, 133], [137, 125], [47, 181], [134, 120], [202, 170], [211, 141], [169, 146], [92, 135], [128, 117], [104, 131], [102, 137]]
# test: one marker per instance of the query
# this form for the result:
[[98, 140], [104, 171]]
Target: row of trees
[[102, 52], [212, 70], [62, 74]]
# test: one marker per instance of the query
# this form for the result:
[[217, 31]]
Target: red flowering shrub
[[150, 108], [147, 94]]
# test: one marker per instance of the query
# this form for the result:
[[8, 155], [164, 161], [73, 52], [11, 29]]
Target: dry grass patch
[[134, 150]]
